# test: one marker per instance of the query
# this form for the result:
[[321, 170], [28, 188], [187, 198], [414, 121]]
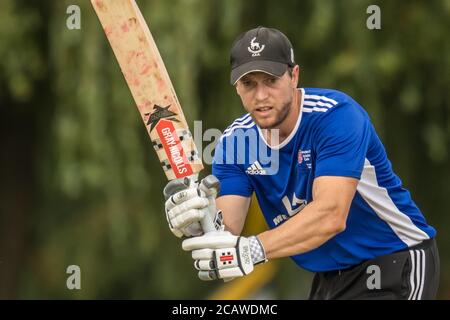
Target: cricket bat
[[154, 95]]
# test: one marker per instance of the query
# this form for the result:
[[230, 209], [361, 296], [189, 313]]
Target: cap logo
[[255, 48]]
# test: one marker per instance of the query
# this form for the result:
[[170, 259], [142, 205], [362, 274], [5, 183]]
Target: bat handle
[[191, 182], [207, 221], [210, 183]]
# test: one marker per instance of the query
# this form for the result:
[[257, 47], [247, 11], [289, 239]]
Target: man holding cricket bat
[[322, 179]]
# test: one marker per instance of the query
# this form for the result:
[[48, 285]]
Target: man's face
[[267, 98]]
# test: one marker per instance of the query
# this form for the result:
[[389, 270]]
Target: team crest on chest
[[304, 158], [300, 157]]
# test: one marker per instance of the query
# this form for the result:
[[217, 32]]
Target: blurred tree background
[[80, 183]]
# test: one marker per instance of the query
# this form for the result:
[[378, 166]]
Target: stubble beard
[[279, 117]]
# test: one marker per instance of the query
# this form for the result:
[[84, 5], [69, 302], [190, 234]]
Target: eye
[[271, 80], [246, 83]]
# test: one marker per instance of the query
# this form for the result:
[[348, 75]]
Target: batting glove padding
[[186, 208], [221, 255]]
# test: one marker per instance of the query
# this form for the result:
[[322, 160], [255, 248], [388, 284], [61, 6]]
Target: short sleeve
[[342, 141], [233, 180]]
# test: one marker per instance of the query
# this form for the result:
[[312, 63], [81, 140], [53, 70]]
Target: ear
[[295, 76], [236, 86]]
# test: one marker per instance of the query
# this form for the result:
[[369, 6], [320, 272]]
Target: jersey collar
[[294, 131]]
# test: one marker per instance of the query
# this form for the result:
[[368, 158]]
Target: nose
[[261, 93]]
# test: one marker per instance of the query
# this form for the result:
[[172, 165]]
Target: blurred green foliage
[[80, 183]]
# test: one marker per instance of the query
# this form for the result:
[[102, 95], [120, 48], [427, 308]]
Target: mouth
[[263, 111]]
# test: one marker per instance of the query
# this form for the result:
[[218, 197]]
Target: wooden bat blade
[[150, 85]]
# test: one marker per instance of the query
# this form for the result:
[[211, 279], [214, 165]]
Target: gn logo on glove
[[226, 257], [246, 255]]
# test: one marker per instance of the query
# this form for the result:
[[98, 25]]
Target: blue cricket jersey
[[333, 136]]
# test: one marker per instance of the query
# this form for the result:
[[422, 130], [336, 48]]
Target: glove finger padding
[[210, 185], [185, 212], [213, 240], [204, 265], [186, 218], [192, 230], [184, 196], [207, 275], [203, 254], [194, 203]]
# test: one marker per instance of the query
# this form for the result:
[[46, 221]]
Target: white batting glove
[[186, 205], [224, 256]]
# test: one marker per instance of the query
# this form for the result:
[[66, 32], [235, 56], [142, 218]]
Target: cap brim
[[273, 68]]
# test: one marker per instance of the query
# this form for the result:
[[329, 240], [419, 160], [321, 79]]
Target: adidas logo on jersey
[[256, 168]]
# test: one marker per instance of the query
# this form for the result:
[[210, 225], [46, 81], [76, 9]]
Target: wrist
[[257, 252]]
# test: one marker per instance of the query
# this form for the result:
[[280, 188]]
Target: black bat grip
[[175, 186]]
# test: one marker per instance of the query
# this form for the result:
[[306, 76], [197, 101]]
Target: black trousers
[[412, 274]]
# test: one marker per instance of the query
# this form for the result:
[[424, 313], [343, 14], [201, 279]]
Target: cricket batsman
[[323, 181]]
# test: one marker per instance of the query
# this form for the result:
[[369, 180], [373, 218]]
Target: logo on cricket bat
[[162, 120], [158, 114], [178, 161]]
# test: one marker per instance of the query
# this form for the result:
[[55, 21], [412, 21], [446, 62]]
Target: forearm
[[234, 210], [307, 230]]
